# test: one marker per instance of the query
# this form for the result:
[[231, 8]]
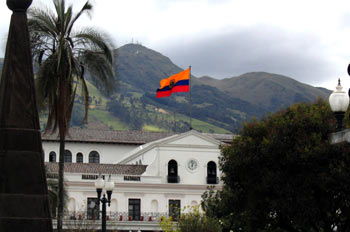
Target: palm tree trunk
[[60, 184], [62, 133]]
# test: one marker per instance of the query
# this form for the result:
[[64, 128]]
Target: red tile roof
[[91, 168], [123, 137], [108, 136]]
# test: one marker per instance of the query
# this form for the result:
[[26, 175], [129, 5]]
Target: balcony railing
[[116, 216], [212, 180], [173, 179], [116, 221]]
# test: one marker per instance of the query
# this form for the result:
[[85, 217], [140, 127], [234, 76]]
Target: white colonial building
[[154, 173]]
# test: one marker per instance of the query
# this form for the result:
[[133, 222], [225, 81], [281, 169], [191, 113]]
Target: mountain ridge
[[219, 106], [250, 86]]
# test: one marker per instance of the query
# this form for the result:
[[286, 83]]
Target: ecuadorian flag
[[179, 82]]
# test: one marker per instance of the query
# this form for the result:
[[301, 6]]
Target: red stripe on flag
[[179, 88]]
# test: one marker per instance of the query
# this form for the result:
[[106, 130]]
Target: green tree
[[63, 54], [194, 220], [191, 221], [282, 174]]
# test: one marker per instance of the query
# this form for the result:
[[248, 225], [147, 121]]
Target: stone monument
[[24, 202]]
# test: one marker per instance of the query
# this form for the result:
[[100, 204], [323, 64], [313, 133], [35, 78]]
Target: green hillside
[[269, 90], [218, 106], [128, 112]]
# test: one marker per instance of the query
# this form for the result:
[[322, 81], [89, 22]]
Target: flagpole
[[190, 99]]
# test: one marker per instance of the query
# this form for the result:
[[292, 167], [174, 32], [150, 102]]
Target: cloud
[[256, 48]]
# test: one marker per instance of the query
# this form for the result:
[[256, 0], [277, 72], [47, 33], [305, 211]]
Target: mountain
[[142, 68], [224, 103], [219, 106], [271, 91]]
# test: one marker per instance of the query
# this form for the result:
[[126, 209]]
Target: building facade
[[155, 174]]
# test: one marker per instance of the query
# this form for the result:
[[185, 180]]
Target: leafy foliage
[[282, 174], [63, 55], [168, 225], [191, 221], [194, 221]]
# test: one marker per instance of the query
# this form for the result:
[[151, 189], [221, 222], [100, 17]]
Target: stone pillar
[[24, 202]]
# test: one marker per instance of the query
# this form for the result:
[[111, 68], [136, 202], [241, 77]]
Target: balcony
[[173, 179], [120, 221], [212, 180]]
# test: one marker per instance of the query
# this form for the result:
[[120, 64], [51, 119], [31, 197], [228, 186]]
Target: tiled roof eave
[[94, 168], [95, 141]]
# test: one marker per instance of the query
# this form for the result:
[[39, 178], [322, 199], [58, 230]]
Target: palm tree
[[52, 189], [63, 55]]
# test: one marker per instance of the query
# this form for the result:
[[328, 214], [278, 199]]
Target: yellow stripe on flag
[[184, 75]]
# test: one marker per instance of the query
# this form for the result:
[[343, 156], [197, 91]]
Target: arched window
[[194, 203], [211, 173], [154, 206], [94, 157], [71, 205], [52, 157], [80, 158], [114, 205], [172, 172], [67, 156]]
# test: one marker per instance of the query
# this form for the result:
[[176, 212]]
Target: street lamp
[[108, 186], [339, 102]]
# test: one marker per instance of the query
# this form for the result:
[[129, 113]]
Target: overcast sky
[[308, 40]]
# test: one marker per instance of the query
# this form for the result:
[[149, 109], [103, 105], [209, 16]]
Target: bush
[[192, 221]]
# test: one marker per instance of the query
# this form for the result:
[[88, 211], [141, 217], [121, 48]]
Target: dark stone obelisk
[[23, 191]]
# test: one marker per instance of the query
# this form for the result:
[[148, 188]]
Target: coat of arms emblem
[[172, 84]]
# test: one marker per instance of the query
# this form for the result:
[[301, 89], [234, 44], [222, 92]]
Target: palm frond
[[44, 20], [67, 19], [92, 39], [86, 9], [85, 94], [60, 11], [101, 71], [63, 55]]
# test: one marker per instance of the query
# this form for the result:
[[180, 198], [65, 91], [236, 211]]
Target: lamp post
[[339, 102], [108, 186]]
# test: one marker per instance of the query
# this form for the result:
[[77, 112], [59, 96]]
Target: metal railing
[[173, 179], [117, 216], [212, 180]]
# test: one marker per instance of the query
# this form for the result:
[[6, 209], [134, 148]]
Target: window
[[172, 172], [211, 173], [154, 206], [92, 208], [135, 209], [67, 156], [174, 209], [94, 157], [80, 158], [52, 157]]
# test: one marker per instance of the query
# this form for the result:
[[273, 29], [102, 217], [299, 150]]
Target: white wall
[[182, 156], [79, 192], [159, 157], [153, 186], [109, 153]]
